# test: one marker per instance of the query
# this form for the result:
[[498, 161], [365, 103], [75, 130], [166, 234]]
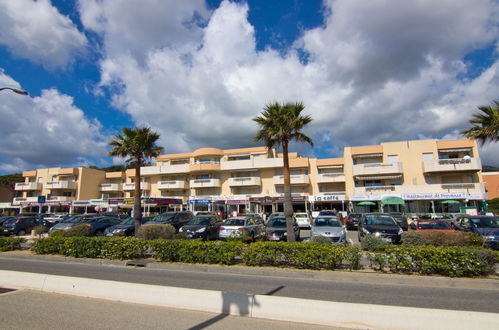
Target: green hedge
[[441, 238], [300, 255], [10, 243], [425, 260]]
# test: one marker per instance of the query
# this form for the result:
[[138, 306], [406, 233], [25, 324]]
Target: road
[[412, 291], [36, 310]]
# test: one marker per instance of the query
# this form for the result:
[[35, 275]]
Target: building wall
[[491, 180], [89, 182]]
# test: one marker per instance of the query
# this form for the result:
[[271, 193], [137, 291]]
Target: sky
[[198, 71]]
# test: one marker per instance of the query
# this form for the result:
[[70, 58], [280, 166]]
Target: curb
[[328, 313], [360, 276]]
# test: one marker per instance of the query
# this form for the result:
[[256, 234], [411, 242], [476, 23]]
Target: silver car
[[331, 227], [242, 225]]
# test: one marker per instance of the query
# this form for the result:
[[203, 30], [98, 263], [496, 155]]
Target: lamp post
[[15, 90]]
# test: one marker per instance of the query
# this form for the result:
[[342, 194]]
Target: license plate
[[274, 238], [388, 240]]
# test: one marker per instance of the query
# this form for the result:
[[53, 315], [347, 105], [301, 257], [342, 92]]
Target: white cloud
[[45, 131], [35, 30], [377, 70]]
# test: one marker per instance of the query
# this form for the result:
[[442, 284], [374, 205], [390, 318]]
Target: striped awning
[[379, 177], [454, 150]]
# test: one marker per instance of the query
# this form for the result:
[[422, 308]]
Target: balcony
[[60, 185], [18, 200], [245, 181], [296, 179], [469, 188], [165, 169], [377, 169], [452, 165], [330, 177], [204, 183], [28, 186], [172, 184], [110, 187], [131, 186], [61, 199]]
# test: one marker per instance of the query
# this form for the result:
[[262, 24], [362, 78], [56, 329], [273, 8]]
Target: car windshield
[[376, 219], [163, 218], [433, 225], [127, 221], [485, 222], [327, 222], [10, 221], [277, 222], [327, 213], [234, 222], [74, 219], [301, 216], [199, 221]]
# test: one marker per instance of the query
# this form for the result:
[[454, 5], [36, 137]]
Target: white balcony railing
[[61, 199], [110, 187], [330, 177], [131, 186], [245, 181], [28, 186], [377, 169], [63, 184], [470, 188], [204, 183], [295, 179], [455, 164], [172, 184], [165, 169], [18, 200]]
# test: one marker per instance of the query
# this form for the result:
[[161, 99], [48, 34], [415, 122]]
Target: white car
[[303, 220]]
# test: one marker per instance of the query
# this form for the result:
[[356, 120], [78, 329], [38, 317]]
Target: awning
[[367, 155], [329, 166], [392, 200], [366, 203], [450, 201], [454, 150], [379, 177]]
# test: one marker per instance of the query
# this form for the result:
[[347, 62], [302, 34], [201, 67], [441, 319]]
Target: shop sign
[[199, 201], [47, 203], [365, 198], [162, 201], [81, 203], [263, 200], [293, 199], [477, 196], [435, 196], [238, 201], [326, 198]]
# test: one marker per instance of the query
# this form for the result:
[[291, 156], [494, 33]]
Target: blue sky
[[198, 71]]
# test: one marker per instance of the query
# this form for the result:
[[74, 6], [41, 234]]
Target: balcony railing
[[172, 184], [110, 187], [28, 186], [60, 185], [296, 179], [131, 186], [377, 169], [470, 188], [18, 200], [454, 164], [61, 199], [204, 183], [330, 177], [245, 181]]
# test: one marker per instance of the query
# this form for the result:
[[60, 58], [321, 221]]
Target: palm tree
[[485, 125], [138, 144], [279, 124]]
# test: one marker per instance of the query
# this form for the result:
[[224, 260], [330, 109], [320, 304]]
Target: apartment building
[[491, 181], [420, 176]]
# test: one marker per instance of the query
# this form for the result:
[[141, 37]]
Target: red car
[[432, 224]]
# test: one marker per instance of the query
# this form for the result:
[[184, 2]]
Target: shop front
[[150, 205], [200, 205], [327, 202]]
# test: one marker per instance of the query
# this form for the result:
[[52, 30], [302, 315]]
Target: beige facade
[[422, 172]]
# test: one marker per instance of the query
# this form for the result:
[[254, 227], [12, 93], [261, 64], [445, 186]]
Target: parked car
[[202, 226], [273, 215], [379, 224], [327, 212], [125, 227], [276, 229], [352, 220], [19, 226], [330, 227], [72, 221], [485, 226], [5, 218], [401, 220], [431, 225], [303, 219], [54, 219], [176, 219], [236, 226]]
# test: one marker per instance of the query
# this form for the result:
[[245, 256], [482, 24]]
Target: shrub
[[10, 243], [373, 243], [353, 254], [320, 239], [54, 244], [150, 232], [77, 231], [123, 248], [38, 230], [441, 238], [1, 231], [377, 260]]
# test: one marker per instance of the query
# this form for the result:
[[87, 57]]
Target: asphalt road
[[36, 310], [343, 287]]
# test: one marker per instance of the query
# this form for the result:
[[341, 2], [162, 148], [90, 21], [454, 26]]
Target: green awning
[[367, 203], [392, 200], [450, 201]]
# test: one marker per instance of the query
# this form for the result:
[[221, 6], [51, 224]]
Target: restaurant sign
[[326, 198]]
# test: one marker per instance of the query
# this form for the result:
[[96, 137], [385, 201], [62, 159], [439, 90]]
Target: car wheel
[[99, 233], [206, 237], [21, 232]]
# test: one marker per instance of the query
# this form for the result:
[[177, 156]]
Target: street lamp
[[15, 90]]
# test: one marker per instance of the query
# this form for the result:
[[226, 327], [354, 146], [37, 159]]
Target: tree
[[280, 124], [485, 124], [138, 144]]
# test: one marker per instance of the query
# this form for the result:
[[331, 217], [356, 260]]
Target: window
[[372, 183], [393, 159], [427, 156]]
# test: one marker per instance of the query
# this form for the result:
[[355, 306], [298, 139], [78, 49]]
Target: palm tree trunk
[[137, 212], [288, 207]]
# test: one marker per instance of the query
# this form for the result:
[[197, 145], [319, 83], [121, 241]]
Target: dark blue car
[[485, 226]]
